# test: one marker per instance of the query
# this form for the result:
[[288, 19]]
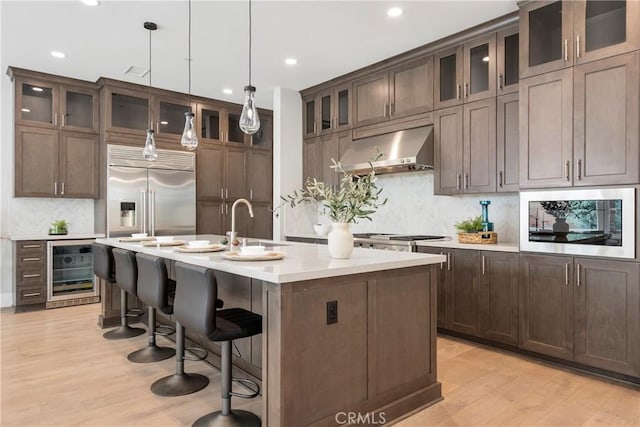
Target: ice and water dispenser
[[127, 214]]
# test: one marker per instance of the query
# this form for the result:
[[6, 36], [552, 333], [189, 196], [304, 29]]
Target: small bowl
[[321, 229], [198, 243], [138, 235], [252, 250], [164, 239]]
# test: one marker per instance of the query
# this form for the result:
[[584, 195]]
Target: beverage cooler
[[70, 270]]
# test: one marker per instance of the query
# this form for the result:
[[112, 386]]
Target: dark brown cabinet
[[555, 35], [220, 124], [463, 271], [259, 174], [327, 111], [333, 146], [581, 309], [580, 126], [465, 148], [31, 272], [403, 90], [312, 159], [263, 138], [466, 73], [507, 142]]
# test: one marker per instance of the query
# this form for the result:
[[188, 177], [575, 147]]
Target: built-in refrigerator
[[155, 197]]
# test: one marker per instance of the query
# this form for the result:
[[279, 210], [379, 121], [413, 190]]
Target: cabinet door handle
[[442, 263], [226, 208], [484, 269], [55, 188], [458, 181], [226, 193], [457, 91], [55, 119], [31, 246], [578, 274], [222, 193], [314, 127], [392, 108], [566, 50], [500, 179], [448, 260], [566, 273], [466, 181], [31, 259], [63, 117], [466, 90], [33, 294], [62, 188], [30, 276], [251, 194], [500, 81], [567, 166], [577, 46], [384, 110], [579, 169]]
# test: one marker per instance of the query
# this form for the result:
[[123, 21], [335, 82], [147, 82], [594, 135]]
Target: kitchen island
[[340, 337]]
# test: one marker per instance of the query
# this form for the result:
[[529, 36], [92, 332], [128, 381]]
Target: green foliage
[[471, 225], [60, 224], [357, 197]]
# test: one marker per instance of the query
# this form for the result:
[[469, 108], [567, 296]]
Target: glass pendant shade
[[249, 120], [189, 138], [150, 152]]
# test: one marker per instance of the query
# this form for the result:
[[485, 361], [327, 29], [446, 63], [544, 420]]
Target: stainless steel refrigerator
[[158, 198]]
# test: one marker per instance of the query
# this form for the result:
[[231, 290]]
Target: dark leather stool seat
[[195, 307], [154, 288], [125, 276]]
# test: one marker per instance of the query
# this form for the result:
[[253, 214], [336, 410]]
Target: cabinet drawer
[[31, 275], [31, 295], [31, 259], [31, 246]]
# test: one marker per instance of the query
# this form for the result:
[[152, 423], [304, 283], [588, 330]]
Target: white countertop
[[448, 242], [302, 261], [56, 236]]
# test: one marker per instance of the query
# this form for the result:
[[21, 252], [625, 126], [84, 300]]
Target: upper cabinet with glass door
[[219, 124], [56, 106], [327, 111], [559, 34], [508, 60], [263, 138], [127, 111], [465, 73], [169, 116]]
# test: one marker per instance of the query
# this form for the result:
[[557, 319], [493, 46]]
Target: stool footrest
[[165, 330], [250, 384], [134, 312], [197, 353]]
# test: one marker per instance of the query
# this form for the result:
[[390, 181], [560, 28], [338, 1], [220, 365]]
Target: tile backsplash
[[412, 208], [34, 215]]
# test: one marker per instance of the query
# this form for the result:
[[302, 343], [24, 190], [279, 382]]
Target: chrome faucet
[[233, 236]]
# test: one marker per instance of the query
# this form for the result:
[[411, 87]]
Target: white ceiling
[[329, 38]]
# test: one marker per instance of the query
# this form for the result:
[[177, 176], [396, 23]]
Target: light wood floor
[[57, 370]]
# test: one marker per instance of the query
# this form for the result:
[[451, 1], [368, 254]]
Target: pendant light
[[189, 138], [150, 152], [249, 120]]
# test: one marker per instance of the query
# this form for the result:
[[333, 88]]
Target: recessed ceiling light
[[91, 2], [164, 122], [394, 12], [37, 89], [291, 61], [485, 59], [227, 91], [25, 110], [57, 54]]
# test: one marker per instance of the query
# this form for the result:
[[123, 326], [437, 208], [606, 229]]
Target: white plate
[[195, 250], [267, 256]]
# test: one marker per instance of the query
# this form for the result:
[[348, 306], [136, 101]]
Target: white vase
[[340, 240]]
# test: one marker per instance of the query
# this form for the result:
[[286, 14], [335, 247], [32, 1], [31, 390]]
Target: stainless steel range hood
[[405, 150]]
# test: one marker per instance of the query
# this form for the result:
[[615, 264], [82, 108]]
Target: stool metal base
[[236, 418], [179, 384], [123, 332], [151, 353]]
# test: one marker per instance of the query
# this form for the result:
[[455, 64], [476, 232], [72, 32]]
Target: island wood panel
[[256, 307], [360, 363], [441, 279]]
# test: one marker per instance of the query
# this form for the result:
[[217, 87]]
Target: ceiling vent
[[136, 71]]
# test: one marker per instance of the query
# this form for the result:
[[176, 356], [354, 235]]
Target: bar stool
[[104, 267], [154, 288], [194, 307], [180, 383]]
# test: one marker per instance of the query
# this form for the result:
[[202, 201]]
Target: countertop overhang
[[302, 261]]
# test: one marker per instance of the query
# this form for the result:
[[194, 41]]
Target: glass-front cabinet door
[[342, 107], [508, 60], [546, 34], [208, 121], [233, 134], [448, 78], [480, 68], [263, 138], [309, 116], [605, 28], [79, 109], [169, 117], [325, 112], [127, 111], [36, 103]]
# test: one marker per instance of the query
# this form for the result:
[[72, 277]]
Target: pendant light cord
[[189, 54], [249, 42], [150, 123]]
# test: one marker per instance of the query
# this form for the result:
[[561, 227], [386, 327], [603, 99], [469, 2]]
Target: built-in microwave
[[598, 222]]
